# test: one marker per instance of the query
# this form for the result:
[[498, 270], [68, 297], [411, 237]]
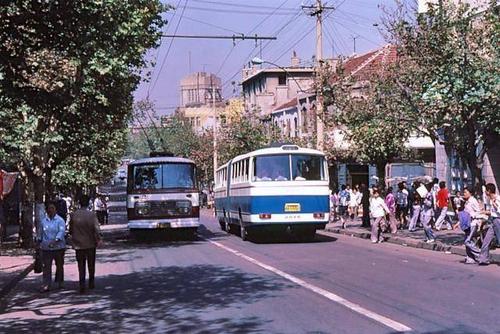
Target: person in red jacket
[[442, 201]]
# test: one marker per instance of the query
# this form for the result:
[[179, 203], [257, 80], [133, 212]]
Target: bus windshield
[[163, 176], [307, 167], [304, 167]]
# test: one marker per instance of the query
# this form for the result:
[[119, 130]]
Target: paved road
[[220, 284]]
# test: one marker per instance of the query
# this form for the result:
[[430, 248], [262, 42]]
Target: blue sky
[[285, 19]]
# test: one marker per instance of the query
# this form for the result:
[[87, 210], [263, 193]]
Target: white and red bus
[[162, 194]]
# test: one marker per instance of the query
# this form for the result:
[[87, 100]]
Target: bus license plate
[[163, 225], [292, 207]]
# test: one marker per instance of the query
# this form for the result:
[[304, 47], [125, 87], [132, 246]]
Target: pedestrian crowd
[[428, 206], [67, 224]]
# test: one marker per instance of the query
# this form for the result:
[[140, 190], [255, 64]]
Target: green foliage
[[244, 134], [67, 73], [239, 135], [360, 119], [447, 76]]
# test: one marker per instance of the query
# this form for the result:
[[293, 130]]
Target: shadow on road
[[267, 237], [168, 299]]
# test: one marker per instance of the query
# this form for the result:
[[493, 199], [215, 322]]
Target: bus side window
[[239, 171]]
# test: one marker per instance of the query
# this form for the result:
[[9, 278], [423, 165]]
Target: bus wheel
[[243, 232], [227, 227]]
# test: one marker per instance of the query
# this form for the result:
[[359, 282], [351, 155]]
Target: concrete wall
[[196, 89]]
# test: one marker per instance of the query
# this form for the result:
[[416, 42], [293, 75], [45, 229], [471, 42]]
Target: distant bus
[[162, 193], [284, 189]]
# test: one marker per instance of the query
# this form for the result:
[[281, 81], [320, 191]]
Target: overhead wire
[[251, 31], [299, 40], [212, 25], [161, 44], [235, 11], [238, 5], [276, 33], [170, 45]]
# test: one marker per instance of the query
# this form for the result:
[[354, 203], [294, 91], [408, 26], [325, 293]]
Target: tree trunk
[[476, 168], [26, 227], [39, 193], [381, 174]]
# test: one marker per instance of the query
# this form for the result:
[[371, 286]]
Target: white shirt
[[472, 207], [493, 206], [377, 207]]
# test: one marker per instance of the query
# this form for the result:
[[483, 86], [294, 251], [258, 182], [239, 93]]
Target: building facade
[[265, 89]]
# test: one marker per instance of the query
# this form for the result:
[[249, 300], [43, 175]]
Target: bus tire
[[243, 232], [227, 227]]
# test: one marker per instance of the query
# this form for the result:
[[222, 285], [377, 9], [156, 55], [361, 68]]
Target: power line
[[238, 5], [298, 41], [265, 46], [211, 25], [254, 29], [344, 26], [233, 37], [170, 45], [294, 44], [250, 12], [159, 47]]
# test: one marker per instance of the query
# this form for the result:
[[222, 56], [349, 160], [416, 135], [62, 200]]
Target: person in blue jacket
[[50, 237]]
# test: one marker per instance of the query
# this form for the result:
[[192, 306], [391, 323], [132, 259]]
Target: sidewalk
[[446, 241], [16, 263]]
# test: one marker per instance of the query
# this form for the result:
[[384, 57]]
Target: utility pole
[[317, 11], [319, 59], [214, 111]]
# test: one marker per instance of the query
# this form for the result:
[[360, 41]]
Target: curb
[[407, 242], [4, 291]]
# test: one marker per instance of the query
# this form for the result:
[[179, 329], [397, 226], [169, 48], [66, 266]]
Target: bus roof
[[157, 160], [284, 149]]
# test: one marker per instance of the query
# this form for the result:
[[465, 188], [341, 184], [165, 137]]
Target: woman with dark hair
[[50, 236]]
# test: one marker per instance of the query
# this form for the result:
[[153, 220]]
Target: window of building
[[282, 79]]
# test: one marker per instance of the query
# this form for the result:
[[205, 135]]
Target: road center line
[[322, 292]]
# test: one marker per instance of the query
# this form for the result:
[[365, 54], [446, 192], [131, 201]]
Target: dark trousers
[[47, 257], [86, 257], [101, 216]]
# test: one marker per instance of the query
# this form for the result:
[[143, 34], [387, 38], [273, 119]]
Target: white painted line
[[399, 327]]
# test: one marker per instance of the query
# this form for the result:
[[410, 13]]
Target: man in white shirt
[[493, 205], [379, 210]]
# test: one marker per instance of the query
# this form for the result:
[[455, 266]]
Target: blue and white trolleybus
[[281, 188]]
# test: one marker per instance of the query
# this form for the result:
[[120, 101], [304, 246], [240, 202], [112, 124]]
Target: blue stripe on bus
[[273, 204]]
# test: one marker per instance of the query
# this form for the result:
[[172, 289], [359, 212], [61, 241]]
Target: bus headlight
[[142, 208], [183, 207]]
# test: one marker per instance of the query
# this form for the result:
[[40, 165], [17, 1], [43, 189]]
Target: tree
[[360, 118], [447, 76], [241, 134], [178, 138], [67, 73]]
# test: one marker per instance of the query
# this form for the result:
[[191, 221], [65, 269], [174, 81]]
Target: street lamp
[[258, 61]]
